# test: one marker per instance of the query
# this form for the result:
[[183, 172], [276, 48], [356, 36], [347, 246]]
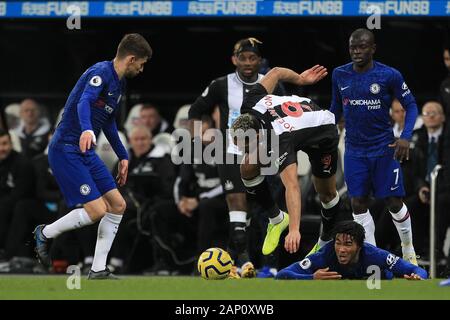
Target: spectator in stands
[[33, 129], [444, 91], [196, 220], [427, 153], [16, 182], [151, 118]]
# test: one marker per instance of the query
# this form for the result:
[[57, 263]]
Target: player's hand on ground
[[292, 241], [412, 276], [313, 75], [324, 274], [401, 149], [87, 139], [122, 173]]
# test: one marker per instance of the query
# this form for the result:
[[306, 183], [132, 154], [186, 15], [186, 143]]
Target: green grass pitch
[[191, 288]]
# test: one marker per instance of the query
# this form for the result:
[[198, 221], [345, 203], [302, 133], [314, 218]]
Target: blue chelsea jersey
[[92, 104], [365, 100]]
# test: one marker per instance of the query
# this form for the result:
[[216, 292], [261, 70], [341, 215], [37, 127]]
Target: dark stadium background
[[43, 59]]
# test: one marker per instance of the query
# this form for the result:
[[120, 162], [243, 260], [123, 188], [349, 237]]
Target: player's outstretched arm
[[307, 77], [293, 202]]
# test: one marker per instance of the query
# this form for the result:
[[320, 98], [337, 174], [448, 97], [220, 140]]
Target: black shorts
[[320, 143], [230, 177]]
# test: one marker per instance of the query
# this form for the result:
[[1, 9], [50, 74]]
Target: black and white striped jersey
[[299, 123], [227, 92]]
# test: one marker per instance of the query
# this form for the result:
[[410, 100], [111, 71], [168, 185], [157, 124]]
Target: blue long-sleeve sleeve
[[90, 94], [336, 102], [112, 134], [406, 98], [410, 120]]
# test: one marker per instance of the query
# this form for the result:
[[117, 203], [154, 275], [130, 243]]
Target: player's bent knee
[[119, 207], [96, 209], [237, 201], [249, 171], [360, 205]]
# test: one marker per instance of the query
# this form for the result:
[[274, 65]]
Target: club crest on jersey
[[229, 185], [374, 88], [305, 263], [96, 81], [404, 86], [85, 189]]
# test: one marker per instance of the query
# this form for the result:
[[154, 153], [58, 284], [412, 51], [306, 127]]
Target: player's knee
[[249, 171], [394, 204], [119, 206], [236, 201], [327, 196], [359, 205]]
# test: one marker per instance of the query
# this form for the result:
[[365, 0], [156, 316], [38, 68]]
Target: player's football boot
[[248, 270], [41, 246], [234, 274], [101, 275], [273, 234], [315, 249], [411, 258], [409, 254]]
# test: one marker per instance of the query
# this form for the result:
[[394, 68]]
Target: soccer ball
[[214, 264]]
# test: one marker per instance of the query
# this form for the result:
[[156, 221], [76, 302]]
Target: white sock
[[365, 219], [75, 219], [107, 230], [277, 219], [402, 222], [238, 216]]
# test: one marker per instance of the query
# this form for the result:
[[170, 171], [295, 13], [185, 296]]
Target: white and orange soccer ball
[[214, 264]]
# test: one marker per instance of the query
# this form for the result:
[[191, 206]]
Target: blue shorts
[[381, 176], [81, 177]]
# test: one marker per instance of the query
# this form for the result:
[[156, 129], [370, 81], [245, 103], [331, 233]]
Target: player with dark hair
[[82, 176], [299, 124], [349, 257], [228, 92], [363, 91]]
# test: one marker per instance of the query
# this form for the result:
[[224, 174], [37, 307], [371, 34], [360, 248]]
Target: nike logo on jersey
[[343, 88], [393, 188], [110, 94]]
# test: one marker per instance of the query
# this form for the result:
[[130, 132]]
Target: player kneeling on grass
[[347, 256]]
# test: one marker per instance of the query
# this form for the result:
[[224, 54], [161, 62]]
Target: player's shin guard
[[365, 219], [258, 192], [329, 215], [402, 222], [238, 238], [107, 230]]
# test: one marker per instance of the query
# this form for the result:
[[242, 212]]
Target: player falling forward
[[81, 175], [348, 257], [299, 124]]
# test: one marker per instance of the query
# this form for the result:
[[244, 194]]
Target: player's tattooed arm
[[307, 77]]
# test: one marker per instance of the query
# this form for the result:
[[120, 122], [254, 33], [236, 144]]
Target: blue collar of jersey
[[115, 75]]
